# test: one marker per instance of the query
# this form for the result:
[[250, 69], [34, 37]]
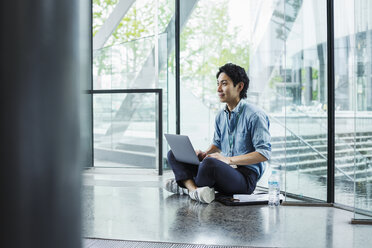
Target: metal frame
[[159, 93], [331, 104], [353, 209], [177, 60], [91, 83], [361, 221]]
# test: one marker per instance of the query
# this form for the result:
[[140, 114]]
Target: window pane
[[291, 61], [283, 46], [363, 112], [125, 137], [214, 33], [269, 77], [353, 103], [138, 53], [306, 98], [344, 102]]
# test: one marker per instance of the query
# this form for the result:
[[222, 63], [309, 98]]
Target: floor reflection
[[136, 207]]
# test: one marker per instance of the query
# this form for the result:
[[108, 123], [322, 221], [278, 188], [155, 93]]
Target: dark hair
[[237, 75]]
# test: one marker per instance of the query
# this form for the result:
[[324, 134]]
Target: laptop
[[182, 148]]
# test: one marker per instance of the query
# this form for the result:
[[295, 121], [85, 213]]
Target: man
[[234, 162]]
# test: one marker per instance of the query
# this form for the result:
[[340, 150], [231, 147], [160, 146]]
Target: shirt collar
[[236, 109]]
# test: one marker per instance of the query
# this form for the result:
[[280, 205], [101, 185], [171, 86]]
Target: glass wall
[[134, 43], [363, 108], [306, 102], [125, 140], [268, 75], [287, 68], [353, 27], [223, 37], [283, 46], [344, 97]]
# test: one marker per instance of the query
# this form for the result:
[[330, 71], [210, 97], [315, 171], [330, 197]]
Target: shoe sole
[[169, 187], [206, 194]]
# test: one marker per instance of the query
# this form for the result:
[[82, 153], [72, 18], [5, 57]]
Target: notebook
[[244, 199]]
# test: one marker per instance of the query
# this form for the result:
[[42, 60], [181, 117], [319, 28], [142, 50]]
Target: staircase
[[308, 154], [128, 155], [136, 152]]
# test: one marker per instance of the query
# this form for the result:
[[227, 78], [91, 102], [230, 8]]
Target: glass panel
[[223, 37], [125, 136], [101, 11], [344, 106], [363, 110], [353, 104], [102, 67], [268, 78], [287, 69], [140, 51], [290, 62], [127, 65], [138, 22], [306, 97]]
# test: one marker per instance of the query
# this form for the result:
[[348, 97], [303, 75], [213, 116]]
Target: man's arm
[[212, 149], [246, 159], [250, 158]]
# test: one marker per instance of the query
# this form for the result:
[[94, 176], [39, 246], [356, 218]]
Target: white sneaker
[[172, 186], [203, 194]]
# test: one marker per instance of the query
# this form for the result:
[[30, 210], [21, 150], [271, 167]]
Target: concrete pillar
[[297, 99], [308, 85], [45, 58], [322, 77]]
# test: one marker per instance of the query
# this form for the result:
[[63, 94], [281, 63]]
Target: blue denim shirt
[[246, 131]]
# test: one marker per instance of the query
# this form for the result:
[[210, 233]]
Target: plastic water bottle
[[274, 189]]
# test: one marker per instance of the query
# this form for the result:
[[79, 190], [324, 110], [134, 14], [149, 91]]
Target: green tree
[[101, 11], [208, 41], [133, 39]]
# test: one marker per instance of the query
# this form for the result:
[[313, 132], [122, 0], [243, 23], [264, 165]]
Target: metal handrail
[[310, 146], [322, 126]]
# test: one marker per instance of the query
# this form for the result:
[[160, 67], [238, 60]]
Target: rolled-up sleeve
[[217, 134], [260, 134]]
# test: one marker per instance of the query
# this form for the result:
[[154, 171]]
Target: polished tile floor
[[130, 204]]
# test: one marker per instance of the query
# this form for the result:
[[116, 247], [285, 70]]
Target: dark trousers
[[214, 173]]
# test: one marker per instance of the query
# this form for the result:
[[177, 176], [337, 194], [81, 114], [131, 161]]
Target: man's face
[[226, 90]]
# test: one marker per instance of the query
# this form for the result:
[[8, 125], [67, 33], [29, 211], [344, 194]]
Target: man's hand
[[218, 156], [201, 155]]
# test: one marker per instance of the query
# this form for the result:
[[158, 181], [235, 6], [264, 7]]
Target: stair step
[[344, 167], [339, 153], [303, 147], [136, 148], [310, 140], [135, 158], [322, 172], [305, 163], [299, 156]]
